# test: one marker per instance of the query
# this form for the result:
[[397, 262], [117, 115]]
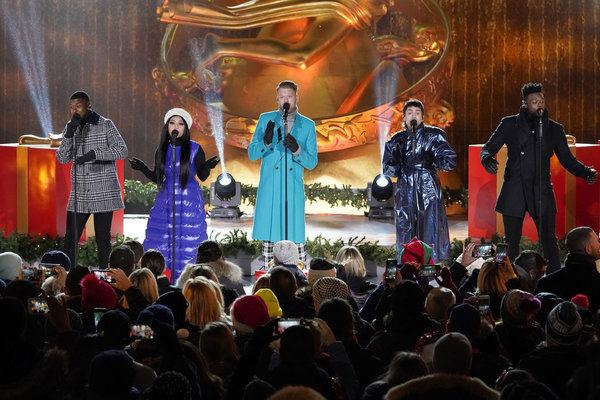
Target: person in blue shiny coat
[[177, 181], [413, 155]]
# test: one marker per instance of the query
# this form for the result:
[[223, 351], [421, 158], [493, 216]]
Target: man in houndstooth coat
[[95, 144]]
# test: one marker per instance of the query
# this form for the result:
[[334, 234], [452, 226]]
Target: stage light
[[380, 197], [225, 196]]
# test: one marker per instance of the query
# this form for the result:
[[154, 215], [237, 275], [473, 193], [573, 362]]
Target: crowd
[[320, 331]]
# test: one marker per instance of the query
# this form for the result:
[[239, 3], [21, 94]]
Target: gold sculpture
[[52, 140], [356, 62]]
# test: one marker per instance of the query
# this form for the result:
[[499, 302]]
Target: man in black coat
[[579, 276], [520, 191]]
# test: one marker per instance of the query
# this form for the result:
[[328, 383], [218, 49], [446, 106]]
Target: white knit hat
[[286, 252], [182, 113], [10, 264]]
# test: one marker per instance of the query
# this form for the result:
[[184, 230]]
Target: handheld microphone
[[286, 108], [413, 125], [540, 112], [174, 134]]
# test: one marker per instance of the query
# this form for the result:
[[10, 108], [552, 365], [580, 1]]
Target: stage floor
[[330, 226]]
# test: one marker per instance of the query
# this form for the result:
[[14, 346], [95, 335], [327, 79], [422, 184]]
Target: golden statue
[[52, 140], [355, 61]]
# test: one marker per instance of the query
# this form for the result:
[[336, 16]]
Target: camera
[[36, 305], [483, 250]]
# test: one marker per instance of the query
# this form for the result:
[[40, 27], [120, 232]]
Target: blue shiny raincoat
[[420, 210], [190, 217], [269, 211]]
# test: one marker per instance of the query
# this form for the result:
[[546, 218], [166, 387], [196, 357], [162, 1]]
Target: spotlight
[[225, 196], [380, 197]]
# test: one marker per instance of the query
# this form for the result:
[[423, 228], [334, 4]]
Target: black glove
[[591, 176], [269, 133], [290, 143], [211, 162], [136, 164], [72, 126], [89, 156], [490, 164], [396, 156]]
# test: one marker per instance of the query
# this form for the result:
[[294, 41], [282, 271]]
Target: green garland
[[140, 197]]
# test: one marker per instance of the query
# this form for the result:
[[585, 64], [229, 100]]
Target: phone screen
[[49, 269], [390, 269], [32, 274], [283, 324], [484, 303], [98, 313], [483, 250], [429, 270], [103, 275], [37, 306], [501, 253], [141, 332]]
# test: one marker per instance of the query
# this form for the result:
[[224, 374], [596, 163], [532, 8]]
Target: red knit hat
[[248, 312], [581, 300], [416, 251], [97, 293]]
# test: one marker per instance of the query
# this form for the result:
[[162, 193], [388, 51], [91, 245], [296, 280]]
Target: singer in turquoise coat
[[269, 211]]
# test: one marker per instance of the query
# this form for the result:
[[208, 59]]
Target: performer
[[96, 144], [190, 217], [520, 191], [413, 155], [282, 138]]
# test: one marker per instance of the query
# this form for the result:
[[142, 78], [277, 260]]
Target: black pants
[[513, 227], [102, 223]]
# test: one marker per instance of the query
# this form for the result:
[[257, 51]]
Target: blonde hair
[[144, 280], [204, 305], [261, 283], [492, 279], [352, 260], [193, 270]]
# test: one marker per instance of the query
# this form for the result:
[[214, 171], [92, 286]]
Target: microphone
[[413, 125], [286, 107], [174, 134], [539, 112]]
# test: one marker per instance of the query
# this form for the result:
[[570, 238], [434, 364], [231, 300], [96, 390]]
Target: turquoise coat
[[269, 211]]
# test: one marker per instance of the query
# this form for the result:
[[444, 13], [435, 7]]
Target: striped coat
[[98, 188]]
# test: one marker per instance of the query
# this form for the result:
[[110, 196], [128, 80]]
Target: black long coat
[[520, 188]]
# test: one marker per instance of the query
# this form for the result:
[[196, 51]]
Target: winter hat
[[452, 354], [182, 113], [581, 300], [56, 257], [178, 305], [319, 268], [549, 301], [519, 308], [10, 265], [111, 375], [438, 302], [248, 312], [158, 312], [97, 293], [465, 319], [208, 251], [563, 326], [416, 251], [115, 326], [286, 252], [170, 385], [271, 301], [407, 298], [328, 287]]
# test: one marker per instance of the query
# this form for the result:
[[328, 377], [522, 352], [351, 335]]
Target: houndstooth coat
[[98, 188]]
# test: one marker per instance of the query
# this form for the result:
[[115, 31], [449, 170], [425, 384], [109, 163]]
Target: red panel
[[63, 188], [482, 197], [588, 196], [41, 184], [8, 188], [117, 221]]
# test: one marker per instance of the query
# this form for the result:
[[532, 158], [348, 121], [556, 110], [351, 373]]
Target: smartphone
[[32, 274], [141, 332], [484, 303], [429, 270], [283, 324], [98, 313], [49, 269], [391, 266], [501, 253], [103, 275], [37, 305], [483, 250]]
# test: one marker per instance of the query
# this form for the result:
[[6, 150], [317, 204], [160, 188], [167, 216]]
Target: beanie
[[563, 326], [286, 252], [465, 319], [248, 312], [518, 308], [169, 385], [581, 300], [549, 301], [97, 293], [158, 312], [438, 302], [328, 287], [10, 265], [56, 257], [416, 251], [319, 268], [182, 113], [452, 354], [271, 301], [111, 374]]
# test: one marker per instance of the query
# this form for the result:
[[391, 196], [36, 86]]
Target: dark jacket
[[295, 307], [579, 276], [520, 189]]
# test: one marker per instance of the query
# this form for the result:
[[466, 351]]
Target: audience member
[[354, 265], [327, 288], [218, 346], [170, 385], [262, 282], [229, 274], [438, 302], [320, 268], [122, 257], [285, 254], [530, 267], [271, 301], [283, 284], [403, 367], [248, 312], [111, 376], [10, 266], [203, 302], [155, 262], [138, 251], [144, 280]]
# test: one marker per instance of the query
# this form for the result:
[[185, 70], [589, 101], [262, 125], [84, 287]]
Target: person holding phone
[[414, 155], [177, 162], [286, 143], [521, 191]]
